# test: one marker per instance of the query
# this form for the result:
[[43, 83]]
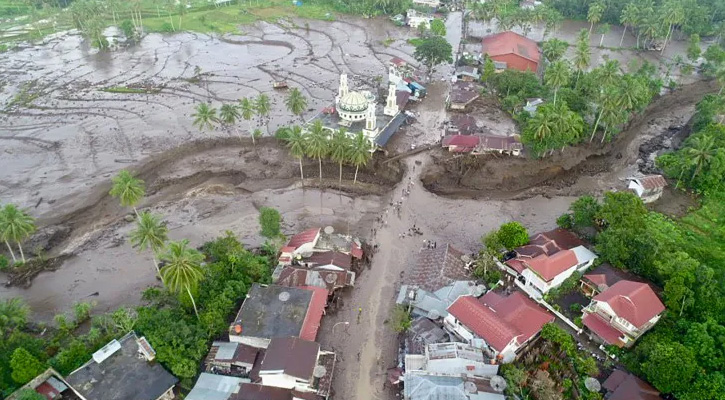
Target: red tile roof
[[548, 267], [650, 182], [636, 302], [398, 61], [603, 329], [46, 390], [436, 268], [626, 386], [356, 251], [516, 264], [505, 143], [498, 319], [314, 313], [462, 143], [511, 43], [305, 237], [604, 276]]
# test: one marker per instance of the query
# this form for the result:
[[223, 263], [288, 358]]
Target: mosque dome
[[353, 102]]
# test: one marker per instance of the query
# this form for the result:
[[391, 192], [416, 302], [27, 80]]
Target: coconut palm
[[608, 73], [317, 143], [297, 146], [557, 75], [246, 107], [182, 271], [700, 152], [554, 49], [127, 189], [228, 114], [672, 14], [603, 30], [629, 17], [15, 226], [262, 105], [296, 102], [361, 151], [582, 54], [607, 103], [594, 15], [340, 148], [543, 124], [13, 314], [205, 116], [150, 233]]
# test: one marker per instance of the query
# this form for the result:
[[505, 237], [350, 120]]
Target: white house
[[498, 325], [622, 313], [548, 260], [649, 188], [414, 19], [450, 359]]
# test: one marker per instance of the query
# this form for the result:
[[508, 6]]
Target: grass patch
[[28, 93], [415, 41], [704, 233]]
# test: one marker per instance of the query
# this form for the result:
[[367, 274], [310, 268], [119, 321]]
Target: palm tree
[[543, 124], [595, 14], [554, 49], [13, 313], [182, 271], [340, 148], [720, 76], [672, 14], [150, 233], [607, 103], [318, 144], [603, 30], [582, 53], [15, 226], [229, 114], [297, 146], [205, 116], [629, 17], [262, 105], [247, 108], [700, 152], [296, 102], [128, 189], [361, 151], [608, 73], [557, 75]]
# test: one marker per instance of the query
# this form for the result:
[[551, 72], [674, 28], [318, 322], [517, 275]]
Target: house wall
[[306, 247], [514, 61], [452, 324], [413, 22], [456, 327], [279, 380], [541, 285]]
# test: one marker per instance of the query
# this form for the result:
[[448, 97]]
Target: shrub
[[4, 263], [24, 366], [269, 220], [29, 394], [401, 319], [513, 234], [565, 221]]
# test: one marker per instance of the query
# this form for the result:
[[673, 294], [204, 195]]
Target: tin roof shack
[[450, 359], [231, 359], [423, 332], [123, 370], [482, 144], [293, 363], [516, 51], [50, 384], [467, 73], [272, 311], [649, 188], [434, 387], [462, 94], [433, 305], [216, 387]]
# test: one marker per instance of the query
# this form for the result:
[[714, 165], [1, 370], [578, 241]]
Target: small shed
[[649, 188]]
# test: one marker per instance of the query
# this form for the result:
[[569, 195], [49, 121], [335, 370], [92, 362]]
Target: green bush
[[269, 220], [4, 263], [29, 394], [24, 366], [565, 221], [401, 319], [513, 234]]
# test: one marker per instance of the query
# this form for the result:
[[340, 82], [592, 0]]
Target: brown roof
[[301, 238], [330, 280], [335, 258], [636, 302], [436, 268], [324, 383], [242, 354], [604, 276], [462, 96], [650, 182], [549, 243], [626, 386], [253, 391], [511, 43], [498, 319], [494, 142], [292, 355], [463, 122]]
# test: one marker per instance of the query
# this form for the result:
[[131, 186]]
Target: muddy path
[[590, 168]]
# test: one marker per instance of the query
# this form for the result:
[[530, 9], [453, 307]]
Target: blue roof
[[390, 129]]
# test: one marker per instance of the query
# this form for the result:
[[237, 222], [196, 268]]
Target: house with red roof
[[548, 260], [648, 188], [625, 386], [622, 313], [511, 50], [500, 325]]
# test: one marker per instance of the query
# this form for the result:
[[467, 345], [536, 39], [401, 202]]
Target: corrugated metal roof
[[226, 350], [215, 387]]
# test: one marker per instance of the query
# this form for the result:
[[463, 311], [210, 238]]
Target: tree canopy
[[433, 51]]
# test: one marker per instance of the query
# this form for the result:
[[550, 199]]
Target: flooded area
[[63, 138]]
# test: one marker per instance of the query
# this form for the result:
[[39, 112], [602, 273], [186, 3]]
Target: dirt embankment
[[228, 162], [507, 177]]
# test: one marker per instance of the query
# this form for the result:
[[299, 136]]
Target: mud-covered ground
[[63, 139]]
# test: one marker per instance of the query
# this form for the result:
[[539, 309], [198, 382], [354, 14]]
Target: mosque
[[359, 111]]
